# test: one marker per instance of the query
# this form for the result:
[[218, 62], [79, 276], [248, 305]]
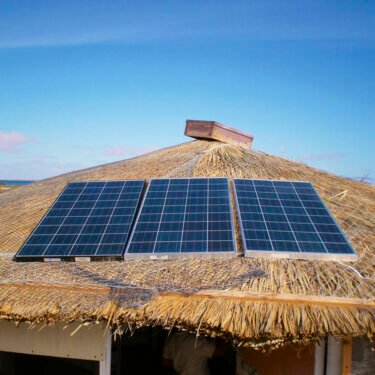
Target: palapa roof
[[260, 302]]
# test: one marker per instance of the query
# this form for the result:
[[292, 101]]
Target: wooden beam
[[347, 348], [290, 298]]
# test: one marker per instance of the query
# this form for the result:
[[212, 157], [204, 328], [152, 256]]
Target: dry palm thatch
[[165, 292]]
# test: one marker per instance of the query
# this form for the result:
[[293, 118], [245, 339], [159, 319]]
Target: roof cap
[[214, 130]]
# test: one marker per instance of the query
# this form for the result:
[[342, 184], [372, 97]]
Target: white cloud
[[11, 141]]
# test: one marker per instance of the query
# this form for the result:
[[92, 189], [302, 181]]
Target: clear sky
[[89, 82]]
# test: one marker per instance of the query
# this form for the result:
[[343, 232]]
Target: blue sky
[[89, 82]]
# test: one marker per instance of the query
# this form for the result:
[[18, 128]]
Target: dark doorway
[[141, 353], [20, 364]]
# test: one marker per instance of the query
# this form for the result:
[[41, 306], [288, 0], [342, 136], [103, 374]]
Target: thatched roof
[[175, 292]]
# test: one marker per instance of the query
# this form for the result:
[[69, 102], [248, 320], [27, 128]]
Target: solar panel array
[[286, 217], [88, 219], [184, 216]]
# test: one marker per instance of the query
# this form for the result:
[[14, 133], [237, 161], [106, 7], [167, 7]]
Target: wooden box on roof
[[218, 132]]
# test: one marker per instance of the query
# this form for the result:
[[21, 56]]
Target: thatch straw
[[136, 285]]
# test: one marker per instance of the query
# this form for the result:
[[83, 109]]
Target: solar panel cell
[[307, 236], [256, 235], [282, 236], [47, 229], [110, 249], [63, 239], [167, 247], [73, 220], [57, 250], [88, 239], [69, 229], [259, 245], [212, 226], [256, 225], [141, 247], [312, 247], [298, 219], [222, 246], [278, 226], [285, 246], [40, 239], [303, 227]]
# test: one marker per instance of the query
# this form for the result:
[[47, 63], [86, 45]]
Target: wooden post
[[334, 356], [347, 348], [320, 353], [105, 364]]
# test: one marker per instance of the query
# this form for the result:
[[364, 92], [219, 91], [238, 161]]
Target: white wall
[[87, 343]]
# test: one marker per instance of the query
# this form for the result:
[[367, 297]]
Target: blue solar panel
[[287, 218], [185, 216], [88, 219]]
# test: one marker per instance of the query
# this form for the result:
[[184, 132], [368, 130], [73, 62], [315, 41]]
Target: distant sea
[[17, 182]]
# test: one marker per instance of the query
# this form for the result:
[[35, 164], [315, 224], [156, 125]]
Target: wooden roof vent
[[218, 132]]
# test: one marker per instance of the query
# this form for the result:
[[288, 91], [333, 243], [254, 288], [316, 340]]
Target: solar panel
[[288, 219], [88, 219], [184, 216]]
